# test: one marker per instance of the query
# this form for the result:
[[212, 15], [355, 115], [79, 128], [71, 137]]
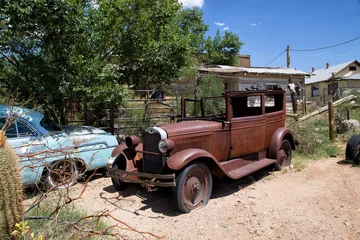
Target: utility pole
[[292, 94], [288, 56]]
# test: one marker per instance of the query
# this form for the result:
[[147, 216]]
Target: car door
[[27, 142], [24, 138], [275, 114], [247, 124]]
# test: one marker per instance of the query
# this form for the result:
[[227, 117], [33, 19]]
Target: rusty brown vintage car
[[233, 135]]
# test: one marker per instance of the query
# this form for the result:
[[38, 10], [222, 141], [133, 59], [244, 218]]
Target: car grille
[[152, 163]]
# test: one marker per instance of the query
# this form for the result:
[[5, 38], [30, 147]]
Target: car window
[[273, 103], [11, 130], [24, 130], [50, 125], [246, 106]]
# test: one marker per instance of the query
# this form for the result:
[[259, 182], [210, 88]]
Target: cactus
[[11, 195]]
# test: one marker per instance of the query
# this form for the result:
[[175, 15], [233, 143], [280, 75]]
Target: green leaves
[[222, 49], [68, 50]]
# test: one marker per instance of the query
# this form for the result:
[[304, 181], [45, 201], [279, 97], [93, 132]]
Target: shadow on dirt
[[160, 201], [348, 162]]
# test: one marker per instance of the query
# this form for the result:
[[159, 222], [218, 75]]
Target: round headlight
[[132, 141], [166, 145]]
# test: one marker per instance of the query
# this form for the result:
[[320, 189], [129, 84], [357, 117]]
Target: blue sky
[[267, 27]]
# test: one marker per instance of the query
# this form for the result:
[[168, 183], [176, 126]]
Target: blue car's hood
[[82, 130]]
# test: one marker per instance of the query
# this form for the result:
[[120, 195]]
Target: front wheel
[[284, 155], [352, 149], [118, 184], [193, 188], [62, 174]]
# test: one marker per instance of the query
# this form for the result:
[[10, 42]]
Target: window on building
[[352, 68], [315, 90]]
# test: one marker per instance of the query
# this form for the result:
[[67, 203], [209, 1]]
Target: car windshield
[[205, 108], [50, 125]]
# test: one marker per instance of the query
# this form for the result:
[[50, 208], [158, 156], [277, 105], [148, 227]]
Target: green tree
[[222, 49], [42, 53], [62, 51], [192, 25]]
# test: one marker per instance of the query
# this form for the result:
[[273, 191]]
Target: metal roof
[[254, 70], [326, 73], [354, 76]]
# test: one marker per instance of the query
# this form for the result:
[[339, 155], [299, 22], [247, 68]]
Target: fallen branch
[[323, 109]]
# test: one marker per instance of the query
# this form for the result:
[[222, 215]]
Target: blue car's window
[[50, 125], [11, 131], [24, 130]]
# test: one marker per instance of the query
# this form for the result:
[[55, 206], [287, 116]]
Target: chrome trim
[[153, 130], [124, 175]]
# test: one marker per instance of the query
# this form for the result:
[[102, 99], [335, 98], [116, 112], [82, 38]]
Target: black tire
[[284, 155], [118, 184], [61, 174], [352, 149], [193, 187]]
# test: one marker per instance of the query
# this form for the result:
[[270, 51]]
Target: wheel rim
[[284, 155], [62, 174], [196, 187]]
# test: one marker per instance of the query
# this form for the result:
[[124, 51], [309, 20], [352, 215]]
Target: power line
[[321, 48], [276, 57]]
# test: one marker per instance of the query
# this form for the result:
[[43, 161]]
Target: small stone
[[342, 206], [224, 225], [272, 227], [346, 223]]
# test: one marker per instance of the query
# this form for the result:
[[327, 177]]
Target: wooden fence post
[[331, 120]]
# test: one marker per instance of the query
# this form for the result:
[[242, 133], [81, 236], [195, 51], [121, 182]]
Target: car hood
[[82, 130], [198, 127]]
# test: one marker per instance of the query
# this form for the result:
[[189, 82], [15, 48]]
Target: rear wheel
[[352, 149], [284, 155], [193, 188], [62, 174]]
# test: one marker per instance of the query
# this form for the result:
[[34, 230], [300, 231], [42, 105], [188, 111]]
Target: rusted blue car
[[52, 154]]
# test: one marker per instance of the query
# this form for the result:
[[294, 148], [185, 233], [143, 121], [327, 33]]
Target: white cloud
[[220, 24], [226, 28], [255, 24], [192, 3]]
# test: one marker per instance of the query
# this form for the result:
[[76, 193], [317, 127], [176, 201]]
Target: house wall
[[321, 86], [243, 82], [342, 84], [346, 70], [243, 61]]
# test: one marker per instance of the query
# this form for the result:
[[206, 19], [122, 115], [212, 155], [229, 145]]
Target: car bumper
[[145, 179]]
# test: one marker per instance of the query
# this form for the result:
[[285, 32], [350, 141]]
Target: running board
[[250, 167]]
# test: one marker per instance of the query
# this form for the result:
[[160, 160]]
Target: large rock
[[348, 125]]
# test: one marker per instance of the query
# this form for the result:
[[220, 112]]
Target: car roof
[[30, 115], [252, 92]]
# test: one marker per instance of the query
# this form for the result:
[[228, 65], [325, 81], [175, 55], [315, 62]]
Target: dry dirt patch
[[320, 202]]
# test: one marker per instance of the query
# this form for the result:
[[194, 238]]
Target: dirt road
[[320, 202]]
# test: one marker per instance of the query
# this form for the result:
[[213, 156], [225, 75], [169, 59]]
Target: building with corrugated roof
[[329, 82]]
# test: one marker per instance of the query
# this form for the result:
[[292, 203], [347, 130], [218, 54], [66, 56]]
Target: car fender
[[182, 158], [126, 157], [127, 152], [278, 136]]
